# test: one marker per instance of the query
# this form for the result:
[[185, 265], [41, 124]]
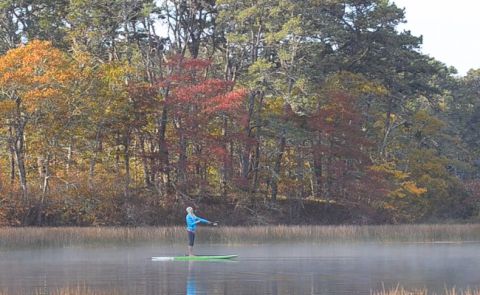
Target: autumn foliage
[[257, 112]]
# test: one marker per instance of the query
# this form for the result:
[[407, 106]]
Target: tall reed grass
[[68, 236], [402, 291], [78, 290], [86, 291]]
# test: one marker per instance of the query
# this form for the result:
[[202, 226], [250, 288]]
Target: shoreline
[[11, 237]]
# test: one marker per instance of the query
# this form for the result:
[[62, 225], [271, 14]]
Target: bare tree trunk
[[328, 192], [197, 150], [246, 154], [300, 174], [256, 166], [154, 163], [182, 161], [117, 161], [146, 173], [12, 157], [387, 128], [45, 174], [163, 149], [69, 158], [182, 155], [256, 161], [278, 165], [127, 163], [317, 165], [41, 169], [19, 149], [93, 160], [224, 171]]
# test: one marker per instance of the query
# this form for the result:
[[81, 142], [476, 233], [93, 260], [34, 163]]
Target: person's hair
[[190, 211]]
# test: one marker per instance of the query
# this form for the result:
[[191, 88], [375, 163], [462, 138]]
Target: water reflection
[[191, 282], [275, 269], [199, 283]]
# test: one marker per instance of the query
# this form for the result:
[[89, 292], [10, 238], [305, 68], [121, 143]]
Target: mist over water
[[317, 268]]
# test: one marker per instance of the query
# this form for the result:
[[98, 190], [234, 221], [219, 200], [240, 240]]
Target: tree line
[[122, 111]]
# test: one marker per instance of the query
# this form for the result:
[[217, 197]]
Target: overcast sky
[[450, 29]]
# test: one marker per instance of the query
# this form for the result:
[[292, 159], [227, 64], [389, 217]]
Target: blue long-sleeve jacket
[[192, 222]]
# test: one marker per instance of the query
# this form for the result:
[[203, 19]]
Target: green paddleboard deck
[[193, 258]]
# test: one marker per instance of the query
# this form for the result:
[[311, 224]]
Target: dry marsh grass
[[64, 291], [402, 291], [86, 291], [69, 236]]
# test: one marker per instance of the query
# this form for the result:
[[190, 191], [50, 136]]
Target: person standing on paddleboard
[[192, 221]]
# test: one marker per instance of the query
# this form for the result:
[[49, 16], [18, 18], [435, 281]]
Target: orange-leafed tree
[[34, 82]]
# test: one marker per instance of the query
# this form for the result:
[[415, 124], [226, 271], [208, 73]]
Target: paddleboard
[[193, 258]]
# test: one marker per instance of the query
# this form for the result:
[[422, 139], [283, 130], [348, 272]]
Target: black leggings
[[191, 238]]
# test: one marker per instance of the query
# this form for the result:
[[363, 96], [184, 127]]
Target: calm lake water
[[260, 269]]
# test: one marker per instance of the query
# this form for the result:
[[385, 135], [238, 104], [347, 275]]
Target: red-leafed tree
[[341, 152], [200, 110]]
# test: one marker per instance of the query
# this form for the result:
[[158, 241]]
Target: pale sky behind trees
[[450, 29]]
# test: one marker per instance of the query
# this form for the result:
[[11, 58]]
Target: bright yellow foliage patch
[[33, 73]]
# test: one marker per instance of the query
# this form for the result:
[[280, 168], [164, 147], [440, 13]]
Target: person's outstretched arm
[[201, 220]]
